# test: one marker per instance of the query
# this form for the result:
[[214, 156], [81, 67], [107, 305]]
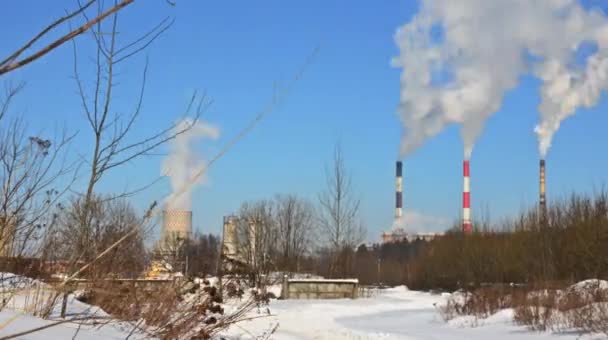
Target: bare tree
[[203, 254], [172, 250], [112, 129], [339, 214], [15, 61], [295, 230], [113, 142], [31, 169], [109, 221], [257, 233]]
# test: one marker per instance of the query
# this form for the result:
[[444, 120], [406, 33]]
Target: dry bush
[[179, 311], [584, 309], [537, 311], [481, 303]]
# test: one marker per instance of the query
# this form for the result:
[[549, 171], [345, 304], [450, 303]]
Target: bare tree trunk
[[339, 213], [294, 220]]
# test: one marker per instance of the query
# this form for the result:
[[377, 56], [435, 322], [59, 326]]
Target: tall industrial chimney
[[466, 199], [543, 200], [399, 191]]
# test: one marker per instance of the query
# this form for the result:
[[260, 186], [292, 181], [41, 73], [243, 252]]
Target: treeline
[[565, 245]]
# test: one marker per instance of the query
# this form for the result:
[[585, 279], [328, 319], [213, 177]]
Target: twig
[[10, 66]]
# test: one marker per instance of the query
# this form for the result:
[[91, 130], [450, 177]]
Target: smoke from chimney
[[459, 58], [466, 199], [183, 162], [565, 89]]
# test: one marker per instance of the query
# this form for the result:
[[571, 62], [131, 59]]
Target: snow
[[274, 289], [391, 313], [394, 313], [591, 284], [24, 297]]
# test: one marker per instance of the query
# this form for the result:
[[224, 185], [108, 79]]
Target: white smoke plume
[[413, 221], [566, 88], [459, 58], [183, 162]]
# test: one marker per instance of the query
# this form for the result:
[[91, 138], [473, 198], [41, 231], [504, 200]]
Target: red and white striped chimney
[[466, 199]]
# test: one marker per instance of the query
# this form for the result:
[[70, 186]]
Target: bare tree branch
[[10, 64], [29, 44]]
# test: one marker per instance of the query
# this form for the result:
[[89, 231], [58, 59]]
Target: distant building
[[399, 234]]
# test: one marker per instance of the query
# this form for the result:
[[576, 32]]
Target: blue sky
[[237, 51]]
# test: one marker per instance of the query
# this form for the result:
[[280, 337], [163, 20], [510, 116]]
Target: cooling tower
[[399, 191], [252, 242], [177, 222], [229, 238], [542, 199], [466, 199]]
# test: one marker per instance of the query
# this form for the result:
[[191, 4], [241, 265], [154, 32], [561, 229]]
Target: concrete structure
[[466, 198], [319, 288], [239, 246], [177, 223], [230, 239]]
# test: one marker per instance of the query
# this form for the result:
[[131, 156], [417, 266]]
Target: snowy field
[[24, 297], [395, 313]]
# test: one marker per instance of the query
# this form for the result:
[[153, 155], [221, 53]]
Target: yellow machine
[[157, 269]]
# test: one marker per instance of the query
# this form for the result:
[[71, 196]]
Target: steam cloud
[[183, 162], [459, 58], [415, 221]]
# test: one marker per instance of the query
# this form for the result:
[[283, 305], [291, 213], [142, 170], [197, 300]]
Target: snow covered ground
[[395, 313], [17, 322], [23, 297]]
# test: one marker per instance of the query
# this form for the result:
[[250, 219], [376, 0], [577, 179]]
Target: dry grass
[[583, 310], [480, 303], [184, 310], [542, 309]]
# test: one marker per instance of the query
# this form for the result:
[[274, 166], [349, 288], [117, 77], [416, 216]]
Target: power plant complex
[[399, 232], [239, 247]]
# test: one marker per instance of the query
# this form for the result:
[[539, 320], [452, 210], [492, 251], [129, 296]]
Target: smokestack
[[466, 199], [399, 191], [542, 201]]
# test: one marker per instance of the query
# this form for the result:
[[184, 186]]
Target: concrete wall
[[319, 289]]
